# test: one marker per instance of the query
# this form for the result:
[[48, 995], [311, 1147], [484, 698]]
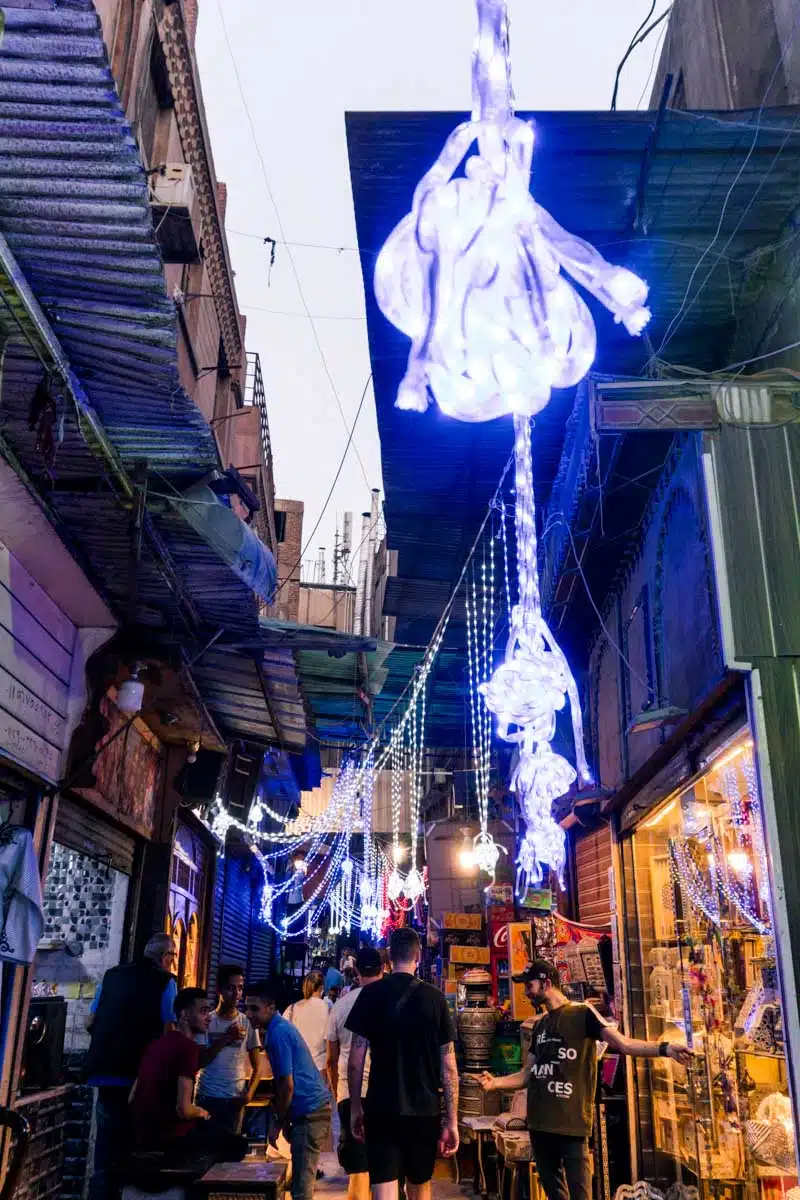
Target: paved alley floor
[[334, 1184]]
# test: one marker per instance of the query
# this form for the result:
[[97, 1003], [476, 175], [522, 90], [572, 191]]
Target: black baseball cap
[[539, 969], [369, 962]]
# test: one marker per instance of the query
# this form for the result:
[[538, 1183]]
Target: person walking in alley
[[133, 1006], [231, 1056], [560, 1075], [368, 969], [165, 1115], [407, 1028], [310, 1017], [302, 1106]]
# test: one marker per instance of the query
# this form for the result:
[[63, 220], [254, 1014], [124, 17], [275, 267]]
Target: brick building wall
[[289, 523], [150, 53]]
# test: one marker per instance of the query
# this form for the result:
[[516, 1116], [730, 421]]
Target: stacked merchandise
[[463, 947]]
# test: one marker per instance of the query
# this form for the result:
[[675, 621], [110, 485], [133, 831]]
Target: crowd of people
[[175, 1074]]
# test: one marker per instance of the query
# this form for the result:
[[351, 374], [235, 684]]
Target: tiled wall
[[84, 903]]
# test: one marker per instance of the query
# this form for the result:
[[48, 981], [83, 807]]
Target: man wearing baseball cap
[[561, 1077]]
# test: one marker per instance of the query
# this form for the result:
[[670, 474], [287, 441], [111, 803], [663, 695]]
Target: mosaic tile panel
[[78, 899]]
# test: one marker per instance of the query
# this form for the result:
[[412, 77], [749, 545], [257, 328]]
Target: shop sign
[[472, 955], [500, 941], [539, 899], [28, 749], [462, 921]]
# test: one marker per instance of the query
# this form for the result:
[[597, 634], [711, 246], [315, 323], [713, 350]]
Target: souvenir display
[[724, 1126]]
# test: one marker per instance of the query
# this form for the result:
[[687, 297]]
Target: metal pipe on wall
[[369, 582], [358, 617]]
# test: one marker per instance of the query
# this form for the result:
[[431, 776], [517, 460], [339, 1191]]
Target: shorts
[[401, 1148], [352, 1154]]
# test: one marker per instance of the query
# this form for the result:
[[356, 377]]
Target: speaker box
[[198, 781], [43, 1056], [244, 771]]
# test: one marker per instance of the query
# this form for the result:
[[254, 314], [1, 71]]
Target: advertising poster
[[520, 954]]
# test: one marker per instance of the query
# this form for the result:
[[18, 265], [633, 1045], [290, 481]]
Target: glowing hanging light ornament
[[474, 275], [530, 686]]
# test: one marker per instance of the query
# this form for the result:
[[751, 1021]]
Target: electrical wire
[[560, 519], [339, 469], [656, 53], [640, 36], [278, 312], [282, 230]]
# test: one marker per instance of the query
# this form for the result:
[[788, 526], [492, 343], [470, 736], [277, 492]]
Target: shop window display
[[699, 923]]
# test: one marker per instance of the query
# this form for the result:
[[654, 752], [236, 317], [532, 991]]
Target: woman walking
[[310, 1017]]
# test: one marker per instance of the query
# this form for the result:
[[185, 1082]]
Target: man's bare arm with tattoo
[[355, 1079], [448, 1143]]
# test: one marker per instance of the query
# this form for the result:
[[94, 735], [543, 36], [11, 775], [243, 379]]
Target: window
[[280, 526]]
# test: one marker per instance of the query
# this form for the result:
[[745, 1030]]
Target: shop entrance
[[703, 965]]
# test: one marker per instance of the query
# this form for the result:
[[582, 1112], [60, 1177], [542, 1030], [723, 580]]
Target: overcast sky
[[302, 66]]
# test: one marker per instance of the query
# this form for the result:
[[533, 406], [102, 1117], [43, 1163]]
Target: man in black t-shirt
[[407, 1027], [561, 1077]]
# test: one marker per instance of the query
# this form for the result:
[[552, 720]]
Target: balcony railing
[[255, 396]]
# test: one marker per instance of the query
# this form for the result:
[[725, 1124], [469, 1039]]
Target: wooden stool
[[514, 1152], [479, 1131], [254, 1179]]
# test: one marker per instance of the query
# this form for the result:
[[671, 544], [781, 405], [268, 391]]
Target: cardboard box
[[472, 955], [462, 921]]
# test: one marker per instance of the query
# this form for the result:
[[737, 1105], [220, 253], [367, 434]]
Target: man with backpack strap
[[407, 1028]]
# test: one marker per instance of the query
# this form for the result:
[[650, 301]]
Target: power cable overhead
[[339, 469], [640, 36], [283, 237]]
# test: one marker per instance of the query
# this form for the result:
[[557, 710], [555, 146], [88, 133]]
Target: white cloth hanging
[[21, 915]]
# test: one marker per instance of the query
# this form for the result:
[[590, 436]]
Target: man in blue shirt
[[302, 1101]]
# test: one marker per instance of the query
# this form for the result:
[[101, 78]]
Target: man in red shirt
[[165, 1116]]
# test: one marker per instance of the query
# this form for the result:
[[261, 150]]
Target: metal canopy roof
[[647, 198], [75, 215]]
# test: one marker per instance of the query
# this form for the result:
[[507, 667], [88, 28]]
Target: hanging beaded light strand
[[531, 685], [480, 642], [414, 885]]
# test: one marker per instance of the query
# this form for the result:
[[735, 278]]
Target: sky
[[278, 139]]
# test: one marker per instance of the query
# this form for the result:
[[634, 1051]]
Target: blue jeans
[[307, 1139], [113, 1133]]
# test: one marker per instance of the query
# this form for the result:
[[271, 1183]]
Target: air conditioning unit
[[172, 202]]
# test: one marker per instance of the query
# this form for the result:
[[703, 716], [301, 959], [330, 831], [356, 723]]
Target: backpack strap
[[404, 999]]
